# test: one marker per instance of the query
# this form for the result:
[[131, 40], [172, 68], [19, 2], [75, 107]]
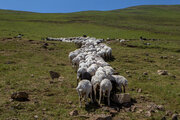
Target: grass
[[31, 63]]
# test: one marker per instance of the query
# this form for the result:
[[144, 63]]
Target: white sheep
[[109, 70], [84, 89], [92, 69], [105, 87], [120, 81], [95, 81]]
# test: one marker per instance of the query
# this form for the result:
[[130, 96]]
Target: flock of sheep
[[95, 75]]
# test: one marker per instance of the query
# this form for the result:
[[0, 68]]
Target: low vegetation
[[25, 63]]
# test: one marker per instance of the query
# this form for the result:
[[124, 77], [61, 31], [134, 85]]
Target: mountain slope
[[149, 21]]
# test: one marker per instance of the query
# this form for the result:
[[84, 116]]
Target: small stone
[[32, 75], [175, 116], [148, 114], [10, 100], [20, 96], [54, 74], [127, 72], [145, 73], [173, 76], [168, 113], [73, 113], [51, 82], [139, 111], [113, 112], [132, 89], [36, 116], [162, 72], [160, 107], [70, 102], [163, 118], [133, 108], [102, 117], [139, 90], [44, 109], [164, 57]]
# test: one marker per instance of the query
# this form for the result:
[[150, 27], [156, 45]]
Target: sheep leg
[[100, 94], [85, 98], [91, 97], [80, 105], [124, 88], [108, 98], [94, 88]]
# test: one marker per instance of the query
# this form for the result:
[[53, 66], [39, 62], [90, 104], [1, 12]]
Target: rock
[[70, 102], [46, 44], [162, 72], [20, 96], [132, 89], [168, 113], [133, 108], [36, 116], [148, 114], [122, 98], [139, 90], [102, 117], [175, 116], [44, 109], [139, 111], [60, 79], [173, 76], [73, 106], [127, 72], [54, 74], [160, 107], [107, 39], [147, 43], [113, 112], [73, 113], [145, 73], [163, 118], [164, 57], [32, 75]]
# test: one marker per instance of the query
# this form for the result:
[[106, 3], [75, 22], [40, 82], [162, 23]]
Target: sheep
[[120, 81], [92, 69], [109, 71], [84, 89], [105, 87], [79, 73], [85, 75]]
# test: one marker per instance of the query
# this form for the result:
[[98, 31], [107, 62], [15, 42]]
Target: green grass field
[[31, 63]]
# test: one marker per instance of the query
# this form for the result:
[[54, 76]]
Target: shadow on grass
[[110, 59], [92, 107]]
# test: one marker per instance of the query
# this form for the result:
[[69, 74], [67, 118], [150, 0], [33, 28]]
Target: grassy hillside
[[149, 21], [24, 63]]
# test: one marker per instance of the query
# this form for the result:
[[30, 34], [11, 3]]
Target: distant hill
[[152, 21]]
